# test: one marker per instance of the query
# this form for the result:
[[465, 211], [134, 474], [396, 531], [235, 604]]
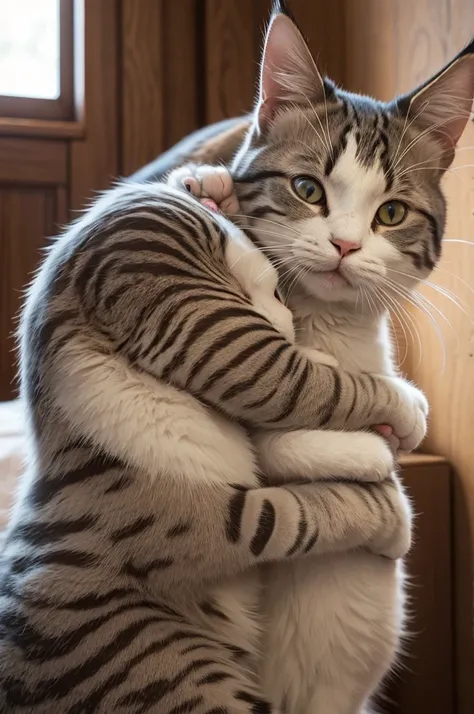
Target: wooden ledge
[[421, 460], [41, 128]]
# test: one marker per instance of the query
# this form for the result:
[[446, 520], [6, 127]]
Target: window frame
[[61, 108]]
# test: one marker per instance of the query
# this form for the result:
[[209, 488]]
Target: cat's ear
[[443, 104], [288, 72]]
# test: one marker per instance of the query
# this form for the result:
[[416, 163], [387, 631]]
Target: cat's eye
[[308, 189], [391, 213]]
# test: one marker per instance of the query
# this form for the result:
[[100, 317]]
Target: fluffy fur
[[128, 576]]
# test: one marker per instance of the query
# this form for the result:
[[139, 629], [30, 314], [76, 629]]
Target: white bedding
[[12, 452]]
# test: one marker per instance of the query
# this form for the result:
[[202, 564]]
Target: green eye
[[308, 189], [391, 213]]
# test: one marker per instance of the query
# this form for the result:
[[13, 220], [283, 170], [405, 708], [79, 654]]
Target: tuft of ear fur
[[443, 104], [288, 72]]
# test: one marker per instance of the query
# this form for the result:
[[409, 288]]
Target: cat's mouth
[[333, 278]]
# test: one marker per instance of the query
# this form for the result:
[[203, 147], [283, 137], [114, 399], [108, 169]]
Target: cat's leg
[[312, 455], [122, 655], [202, 472], [333, 653], [334, 631]]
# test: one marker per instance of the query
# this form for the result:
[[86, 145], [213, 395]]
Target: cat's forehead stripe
[[369, 124]]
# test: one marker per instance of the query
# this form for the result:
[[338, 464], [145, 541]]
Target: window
[[36, 59]]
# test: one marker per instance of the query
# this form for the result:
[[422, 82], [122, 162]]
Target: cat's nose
[[345, 246]]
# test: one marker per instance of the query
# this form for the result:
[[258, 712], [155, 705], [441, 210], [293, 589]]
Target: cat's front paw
[[407, 413], [394, 533], [206, 183], [375, 461]]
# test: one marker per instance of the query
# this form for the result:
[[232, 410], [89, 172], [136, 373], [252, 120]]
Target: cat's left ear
[[288, 72], [443, 104]]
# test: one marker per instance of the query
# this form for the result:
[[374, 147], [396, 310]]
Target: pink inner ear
[[288, 72], [281, 44]]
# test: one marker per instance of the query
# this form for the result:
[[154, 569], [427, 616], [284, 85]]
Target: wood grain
[[370, 61], [142, 73], [94, 159], [159, 78], [41, 127], [33, 161], [231, 55], [424, 681], [183, 28]]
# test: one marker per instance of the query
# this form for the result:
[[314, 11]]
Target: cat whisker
[[422, 299], [265, 220], [458, 277], [258, 250], [464, 148], [412, 299], [371, 304], [277, 264], [382, 297], [427, 168], [407, 320], [458, 240], [442, 291], [298, 275]]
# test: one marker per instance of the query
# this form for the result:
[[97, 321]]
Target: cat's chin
[[329, 286]]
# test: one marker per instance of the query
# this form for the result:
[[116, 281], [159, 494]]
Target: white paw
[[375, 461], [407, 413], [394, 536], [207, 182]]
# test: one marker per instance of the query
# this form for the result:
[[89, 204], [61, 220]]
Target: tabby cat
[[343, 194], [127, 576]]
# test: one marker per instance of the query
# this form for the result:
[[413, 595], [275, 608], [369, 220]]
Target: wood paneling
[[232, 33], [159, 77], [424, 681], [40, 127], [94, 159], [33, 161], [142, 83], [370, 48], [182, 64], [27, 215]]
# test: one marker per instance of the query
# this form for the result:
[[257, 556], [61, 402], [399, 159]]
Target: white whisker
[[412, 299]]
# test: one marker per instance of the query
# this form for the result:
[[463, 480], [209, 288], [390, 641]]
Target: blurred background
[[93, 89]]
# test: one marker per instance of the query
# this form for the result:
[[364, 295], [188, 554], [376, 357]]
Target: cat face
[[344, 191]]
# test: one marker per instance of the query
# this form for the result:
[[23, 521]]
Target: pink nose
[[345, 246]]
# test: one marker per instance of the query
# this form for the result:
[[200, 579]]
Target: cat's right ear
[[288, 72], [442, 106]]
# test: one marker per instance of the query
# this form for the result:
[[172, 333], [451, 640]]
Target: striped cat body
[[128, 576]]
